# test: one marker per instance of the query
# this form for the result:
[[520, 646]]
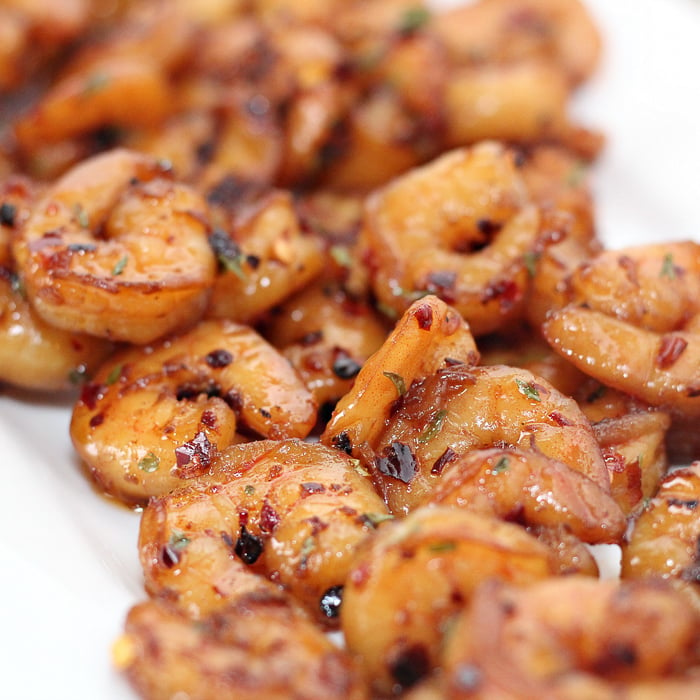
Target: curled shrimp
[[646, 298], [413, 575], [115, 248], [258, 646], [526, 486], [573, 638], [465, 200], [560, 32], [665, 537], [289, 510], [265, 257], [154, 416], [406, 421]]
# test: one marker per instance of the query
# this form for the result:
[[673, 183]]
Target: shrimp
[[665, 537], [559, 32], [464, 200], [258, 646], [525, 486], [266, 257], [116, 249], [646, 298], [155, 416], [573, 638], [414, 575], [327, 336], [33, 354], [292, 511], [407, 419]]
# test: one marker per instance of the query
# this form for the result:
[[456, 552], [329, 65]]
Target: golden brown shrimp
[[153, 417], [265, 258], [463, 200], [259, 646], [573, 638], [327, 336], [413, 575], [117, 249], [290, 510], [560, 32], [665, 537], [524, 485], [407, 421]]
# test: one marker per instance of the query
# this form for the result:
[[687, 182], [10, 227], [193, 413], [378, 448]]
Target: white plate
[[69, 564]]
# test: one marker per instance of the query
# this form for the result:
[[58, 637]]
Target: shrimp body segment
[[291, 511], [116, 249], [154, 416], [259, 646], [470, 209]]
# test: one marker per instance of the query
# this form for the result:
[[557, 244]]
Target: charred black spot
[[344, 367], [223, 246], [342, 442], [8, 212], [219, 358], [686, 504], [187, 391], [248, 547], [81, 247], [228, 191], [442, 283], [311, 338], [205, 151], [398, 462], [410, 666], [331, 601], [488, 227]]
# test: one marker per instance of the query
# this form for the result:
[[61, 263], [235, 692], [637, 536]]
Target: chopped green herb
[[178, 540], [77, 375], [119, 267], [528, 389], [668, 269], [375, 519], [149, 463], [413, 19], [500, 466], [576, 174], [341, 255], [249, 489], [114, 375], [530, 259], [398, 381], [81, 216], [96, 82], [434, 427], [357, 466], [442, 546]]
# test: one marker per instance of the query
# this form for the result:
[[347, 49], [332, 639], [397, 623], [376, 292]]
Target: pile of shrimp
[[322, 283]]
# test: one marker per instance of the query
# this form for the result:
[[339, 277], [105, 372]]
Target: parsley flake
[[398, 381], [119, 267], [434, 427], [149, 463], [528, 389], [500, 466], [114, 375], [668, 269], [413, 19]]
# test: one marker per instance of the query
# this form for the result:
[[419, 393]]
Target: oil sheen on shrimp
[[413, 575], [645, 298], [258, 646], [115, 248], [470, 210], [155, 416], [289, 510]]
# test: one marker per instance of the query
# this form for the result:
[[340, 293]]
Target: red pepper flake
[[269, 518], [91, 393], [194, 457], [310, 487], [506, 292], [670, 349], [97, 419], [560, 419], [424, 316], [449, 455], [209, 419], [398, 462]]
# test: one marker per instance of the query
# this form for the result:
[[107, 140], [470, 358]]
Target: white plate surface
[[68, 557]]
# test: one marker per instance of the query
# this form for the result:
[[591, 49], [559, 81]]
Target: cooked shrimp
[[259, 646], [290, 510], [266, 257], [560, 32], [525, 486], [646, 298], [465, 200], [413, 575], [433, 419], [116, 249], [573, 638], [155, 416], [665, 539], [327, 336]]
